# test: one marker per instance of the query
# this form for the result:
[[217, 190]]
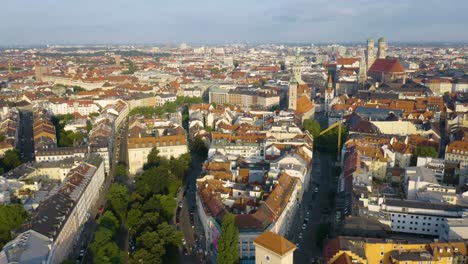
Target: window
[[381, 253], [411, 216], [267, 258]]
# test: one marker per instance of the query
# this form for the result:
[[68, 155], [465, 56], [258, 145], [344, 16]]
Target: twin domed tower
[[370, 54]]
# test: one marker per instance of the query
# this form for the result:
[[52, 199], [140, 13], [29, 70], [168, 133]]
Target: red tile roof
[[387, 65], [346, 61]]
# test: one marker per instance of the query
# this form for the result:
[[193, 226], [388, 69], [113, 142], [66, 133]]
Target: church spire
[[329, 82]]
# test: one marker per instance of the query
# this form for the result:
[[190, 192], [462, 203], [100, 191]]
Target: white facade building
[[416, 217]]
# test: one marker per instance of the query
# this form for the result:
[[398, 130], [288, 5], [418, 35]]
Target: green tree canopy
[[198, 146], [425, 152], [109, 221], [120, 172], [118, 198], [328, 142], [11, 217], [422, 151], [228, 251], [312, 126], [11, 159]]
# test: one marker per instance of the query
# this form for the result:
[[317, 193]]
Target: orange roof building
[[273, 248], [387, 70]]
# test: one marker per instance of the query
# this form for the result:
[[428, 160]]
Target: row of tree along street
[[146, 213]]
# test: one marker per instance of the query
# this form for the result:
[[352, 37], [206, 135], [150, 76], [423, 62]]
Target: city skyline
[[297, 21]]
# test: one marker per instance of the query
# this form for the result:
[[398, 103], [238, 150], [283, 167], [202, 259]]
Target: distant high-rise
[[382, 47], [370, 55]]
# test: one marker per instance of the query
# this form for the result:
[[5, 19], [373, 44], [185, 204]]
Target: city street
[[311, 208], [26, 142], [192, 235], [90, 228]]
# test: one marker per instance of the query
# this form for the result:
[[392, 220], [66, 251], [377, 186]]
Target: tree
[[118, 198], [77, 89], [2, 137], [133, 219], [120, 172], [11, 159], [109, 221], [312, 126], [143, 256], [156, 180], [423, 151], [11, 217], [328, 142], [275, 108], [153, 159], [89, 126], [228, 252], [107, 253], [198, 147]]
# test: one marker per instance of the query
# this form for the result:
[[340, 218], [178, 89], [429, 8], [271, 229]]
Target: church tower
[[292, 93], [381, 54], [329, 93], [362, 70], [297, 68], [370, 53]]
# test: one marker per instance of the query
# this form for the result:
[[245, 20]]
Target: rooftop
[[275, 243]]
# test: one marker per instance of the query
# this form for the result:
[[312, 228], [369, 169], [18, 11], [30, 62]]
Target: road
[[311, 209], [90, 227], [193, 236], [26, 142]]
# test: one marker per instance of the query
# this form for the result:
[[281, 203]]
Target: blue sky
[[219, 21]]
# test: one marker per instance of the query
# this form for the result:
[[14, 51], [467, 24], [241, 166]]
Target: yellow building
[[370, 251], [271, 248]]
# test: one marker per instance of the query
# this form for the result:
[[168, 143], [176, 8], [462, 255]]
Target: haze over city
[[233, 132], [25, 22]]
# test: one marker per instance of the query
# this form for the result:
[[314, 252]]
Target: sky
[[27, 22]]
